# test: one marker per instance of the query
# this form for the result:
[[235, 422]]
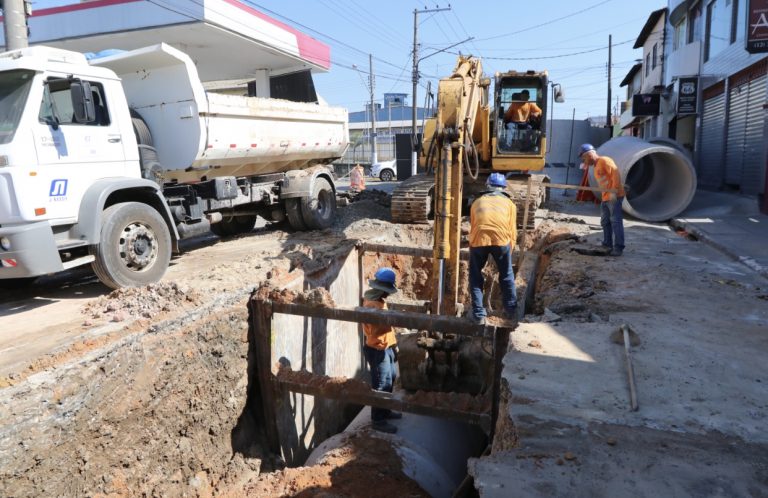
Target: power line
[[546, 23]]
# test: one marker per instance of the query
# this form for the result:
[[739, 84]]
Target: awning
[[635, 121]]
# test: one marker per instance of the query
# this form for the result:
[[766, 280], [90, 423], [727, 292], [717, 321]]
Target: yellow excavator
[[465, 142]]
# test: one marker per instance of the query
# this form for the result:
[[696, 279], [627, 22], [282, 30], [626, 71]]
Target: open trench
[[334, 446], [175, 407]]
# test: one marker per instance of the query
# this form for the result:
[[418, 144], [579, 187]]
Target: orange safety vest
[[378, 337], [493, 221], [357, 178], [608, 177]]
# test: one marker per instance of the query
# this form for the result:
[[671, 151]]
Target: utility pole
[[415, 79], [608, 115], [15, 14], [374, 158]]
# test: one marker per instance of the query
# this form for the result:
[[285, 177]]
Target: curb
[[707, 239]]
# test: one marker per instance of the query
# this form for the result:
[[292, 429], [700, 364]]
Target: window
[[734, 19], [56, 106], [679, 35], [647, 64], [694, 24], [654, 56], [14, 88], [718, 27]]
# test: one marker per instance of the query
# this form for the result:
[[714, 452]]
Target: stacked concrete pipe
[[660, 178]]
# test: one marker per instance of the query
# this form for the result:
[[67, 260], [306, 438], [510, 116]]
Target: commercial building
[[702, 82]]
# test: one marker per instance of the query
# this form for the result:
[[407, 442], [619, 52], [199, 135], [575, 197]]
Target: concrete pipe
[[434, 451], [661, 180]]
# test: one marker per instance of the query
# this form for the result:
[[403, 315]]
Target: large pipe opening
[[660, 179]]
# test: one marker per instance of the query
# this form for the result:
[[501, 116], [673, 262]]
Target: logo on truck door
[[58, 188]]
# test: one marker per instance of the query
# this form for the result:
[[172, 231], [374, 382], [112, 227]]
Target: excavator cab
[[520, 114]]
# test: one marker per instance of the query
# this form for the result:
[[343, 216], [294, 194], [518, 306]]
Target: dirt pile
[[365, 465], [373, 195], [160, 417], [141, 302]]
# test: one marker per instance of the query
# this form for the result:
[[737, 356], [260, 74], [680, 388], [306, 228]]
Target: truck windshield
[[14, 88]]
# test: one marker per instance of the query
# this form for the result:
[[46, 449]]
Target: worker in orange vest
[[609, 178], [357, 179]]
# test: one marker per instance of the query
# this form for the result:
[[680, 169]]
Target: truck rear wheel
[[293, 212], [134, 248], [319, 209]]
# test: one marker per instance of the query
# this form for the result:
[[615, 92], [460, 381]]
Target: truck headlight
[[5, 243]]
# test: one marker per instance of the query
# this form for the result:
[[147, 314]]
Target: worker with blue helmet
[[609, 178], [493, 232], [380, 348]]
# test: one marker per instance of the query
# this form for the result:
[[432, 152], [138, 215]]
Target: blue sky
[[566, 37]]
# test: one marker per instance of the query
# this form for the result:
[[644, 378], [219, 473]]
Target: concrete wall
[[324, 347], [560, 144]]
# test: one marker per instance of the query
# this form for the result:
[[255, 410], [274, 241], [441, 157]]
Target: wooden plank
[[392, 401], [420, 321], [500, 347], [261, 321]]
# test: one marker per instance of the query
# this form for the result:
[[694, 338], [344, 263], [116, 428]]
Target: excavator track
[[412, 200]]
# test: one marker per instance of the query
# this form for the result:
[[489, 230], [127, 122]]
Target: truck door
[[72, 155]]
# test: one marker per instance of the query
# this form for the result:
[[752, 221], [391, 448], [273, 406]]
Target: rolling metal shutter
[[734, 142], [712, 132], [752, 174], [745, 156]]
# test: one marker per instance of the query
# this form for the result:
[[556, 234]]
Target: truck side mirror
[[82, 101]]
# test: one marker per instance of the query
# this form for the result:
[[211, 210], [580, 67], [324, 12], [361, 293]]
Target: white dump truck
[[111, 162]]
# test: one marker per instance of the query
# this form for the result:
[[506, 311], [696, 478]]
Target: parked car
[[384, 171]]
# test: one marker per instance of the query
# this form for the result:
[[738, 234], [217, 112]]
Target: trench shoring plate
[[455, 406]]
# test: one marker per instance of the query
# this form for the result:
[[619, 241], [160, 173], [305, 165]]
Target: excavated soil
[[146, 395], [364, 466]]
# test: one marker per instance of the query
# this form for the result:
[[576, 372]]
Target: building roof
[[204, 29], [648, 28], [631, 74], [399, 113]]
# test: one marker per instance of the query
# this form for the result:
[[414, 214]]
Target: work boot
[[615, 252], [384, 426], [394, 415], [511, 314], [477, 320]]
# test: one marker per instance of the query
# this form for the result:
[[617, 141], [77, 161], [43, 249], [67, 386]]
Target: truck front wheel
[[134, 248], [319, 209]]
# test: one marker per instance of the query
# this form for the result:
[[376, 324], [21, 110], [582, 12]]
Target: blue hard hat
[[384, 280], [497, 180], [585, 148]]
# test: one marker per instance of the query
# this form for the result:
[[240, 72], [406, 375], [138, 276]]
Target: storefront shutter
[[712, 131]]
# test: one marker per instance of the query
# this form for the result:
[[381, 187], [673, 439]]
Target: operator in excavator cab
[[521, 111], [519, 117], [493, 231]]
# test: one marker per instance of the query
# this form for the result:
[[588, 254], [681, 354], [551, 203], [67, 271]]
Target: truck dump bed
[[199, 134]]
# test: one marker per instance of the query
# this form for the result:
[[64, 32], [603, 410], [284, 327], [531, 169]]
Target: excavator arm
[[462, 116]]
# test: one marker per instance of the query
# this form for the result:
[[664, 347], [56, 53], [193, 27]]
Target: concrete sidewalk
[[731, 223]]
